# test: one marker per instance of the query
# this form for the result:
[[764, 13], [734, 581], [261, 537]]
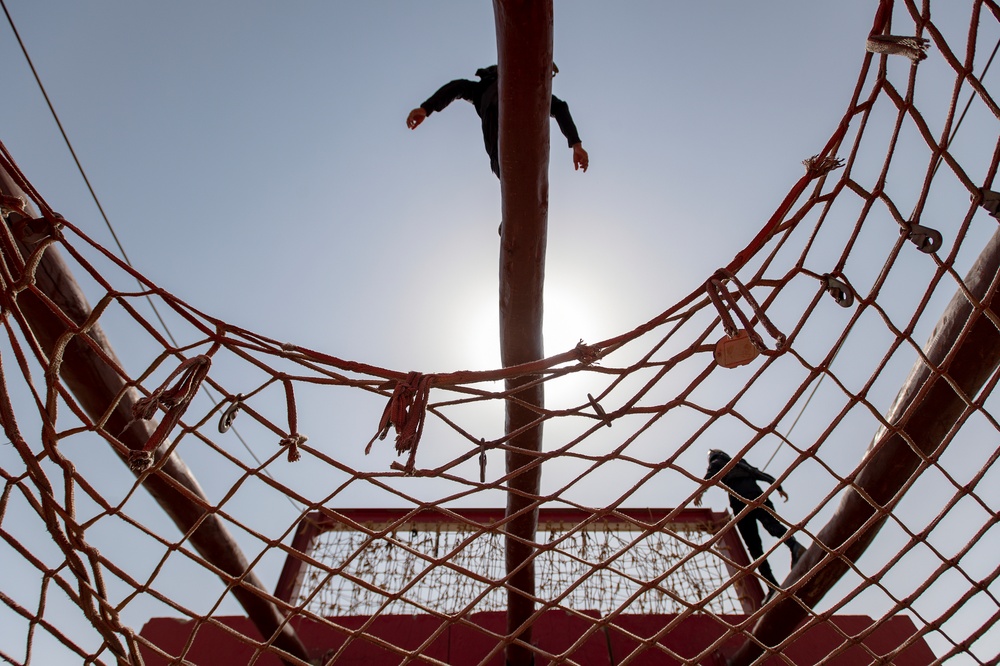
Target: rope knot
[[405, 413], [587, 353], [817, 166], [292, 442], [145, 407], [139, 461]]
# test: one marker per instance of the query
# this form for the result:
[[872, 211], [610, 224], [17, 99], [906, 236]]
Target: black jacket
[[483, 95], [741, 480]]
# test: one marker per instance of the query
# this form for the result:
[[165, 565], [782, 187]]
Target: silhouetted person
[[741, 482], [483, 95]]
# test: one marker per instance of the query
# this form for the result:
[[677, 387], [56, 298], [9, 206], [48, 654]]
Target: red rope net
[[852, 349]]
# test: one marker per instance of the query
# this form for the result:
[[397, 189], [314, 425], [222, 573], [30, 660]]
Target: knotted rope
[[175, 400], [405, 412]]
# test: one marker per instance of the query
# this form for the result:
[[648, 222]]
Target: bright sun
[[568, 319]]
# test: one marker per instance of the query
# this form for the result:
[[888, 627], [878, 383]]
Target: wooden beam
[[524, 59], [95, 384], [963, 352]]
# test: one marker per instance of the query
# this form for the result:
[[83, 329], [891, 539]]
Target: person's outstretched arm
[[445, 95], [560, 111], [766, 478]]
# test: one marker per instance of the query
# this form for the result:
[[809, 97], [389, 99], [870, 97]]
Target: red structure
[[582, 636], [555, 633]]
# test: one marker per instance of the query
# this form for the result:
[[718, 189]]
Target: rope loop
[[405, 412], [175, 400], [718, 293]]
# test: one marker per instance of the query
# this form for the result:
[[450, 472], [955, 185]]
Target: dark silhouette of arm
[[448, 93], [560, 111]]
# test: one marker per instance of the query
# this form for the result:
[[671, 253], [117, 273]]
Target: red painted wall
[[555, 632]]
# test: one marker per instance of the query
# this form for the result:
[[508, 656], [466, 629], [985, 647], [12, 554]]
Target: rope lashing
[[914, 48], [717, 292], [175, 400], [587, 354], [294, 439], [405, 413]]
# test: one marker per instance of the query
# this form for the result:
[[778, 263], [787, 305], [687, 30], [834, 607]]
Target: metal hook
[[840, 291], [32, 230], [229, 415], [926, 239], [989, 200]]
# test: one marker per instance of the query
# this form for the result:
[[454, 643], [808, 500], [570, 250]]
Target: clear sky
[[253, 158], [255, 161]]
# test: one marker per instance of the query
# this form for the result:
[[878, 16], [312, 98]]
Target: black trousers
[[751, 536]]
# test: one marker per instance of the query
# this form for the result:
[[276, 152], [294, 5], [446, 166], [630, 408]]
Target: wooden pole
[[963, 351], [95, 385], [524, 59]]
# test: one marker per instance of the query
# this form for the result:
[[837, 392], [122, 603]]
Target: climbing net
[[363, 568], [851, 349]]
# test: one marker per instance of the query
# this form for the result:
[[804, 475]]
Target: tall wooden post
[[524, 50]]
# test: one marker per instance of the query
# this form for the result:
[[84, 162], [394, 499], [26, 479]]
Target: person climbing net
[[483, 94], [741, 483]]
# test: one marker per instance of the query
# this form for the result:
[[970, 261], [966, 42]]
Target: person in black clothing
[[741, 482], [483, 95]]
